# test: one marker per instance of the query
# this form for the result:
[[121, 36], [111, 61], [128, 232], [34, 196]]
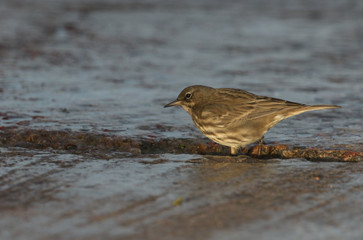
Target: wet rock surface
[[88, 152], [55, 194]]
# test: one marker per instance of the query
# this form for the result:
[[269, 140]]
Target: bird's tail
[[319, 107], [308, 108]]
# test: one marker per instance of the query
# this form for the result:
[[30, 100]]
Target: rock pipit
[[236, 118]]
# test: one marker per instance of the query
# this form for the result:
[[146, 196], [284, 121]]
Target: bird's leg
[[234, 151], [260, 143]]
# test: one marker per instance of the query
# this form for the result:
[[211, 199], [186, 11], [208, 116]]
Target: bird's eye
[[188, 95]]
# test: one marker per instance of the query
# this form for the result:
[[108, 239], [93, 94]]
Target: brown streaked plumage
[[236, 118]]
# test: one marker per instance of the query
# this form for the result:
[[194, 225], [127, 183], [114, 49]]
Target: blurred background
[[112, 65]]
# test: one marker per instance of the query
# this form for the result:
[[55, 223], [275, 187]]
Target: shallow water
[[112, 66], [157, 196]]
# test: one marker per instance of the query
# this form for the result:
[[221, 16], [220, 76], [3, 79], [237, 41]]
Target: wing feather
[[234, 105]]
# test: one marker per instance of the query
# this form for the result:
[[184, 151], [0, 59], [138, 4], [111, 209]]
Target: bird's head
[[191, 96]]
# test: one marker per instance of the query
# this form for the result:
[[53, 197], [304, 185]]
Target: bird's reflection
[[214, 169]]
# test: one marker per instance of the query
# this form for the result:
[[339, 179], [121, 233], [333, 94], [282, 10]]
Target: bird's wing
[[264, 106], [220, 114], [229, 105], [251, 107]]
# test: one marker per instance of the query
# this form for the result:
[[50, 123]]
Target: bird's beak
[[173, 103]]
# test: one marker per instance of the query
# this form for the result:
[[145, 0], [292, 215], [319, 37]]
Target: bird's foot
[[234, 151], [260, 146]]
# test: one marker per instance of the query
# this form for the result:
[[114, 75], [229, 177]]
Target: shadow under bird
[[234, 117]]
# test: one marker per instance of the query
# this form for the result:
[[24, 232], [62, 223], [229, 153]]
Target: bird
[[234, 117]]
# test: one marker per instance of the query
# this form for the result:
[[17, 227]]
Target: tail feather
[[319, 107], [308, 108]]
